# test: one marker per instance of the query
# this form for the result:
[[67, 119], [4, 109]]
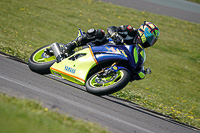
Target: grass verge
[[172, 88], [26, 116], [196, 1]]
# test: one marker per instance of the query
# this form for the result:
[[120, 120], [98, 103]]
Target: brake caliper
[[107, 75]]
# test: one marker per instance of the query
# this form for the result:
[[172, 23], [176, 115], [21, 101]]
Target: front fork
[[106, 71]]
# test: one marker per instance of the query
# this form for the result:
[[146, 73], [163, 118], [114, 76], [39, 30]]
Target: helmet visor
[[150, 38]]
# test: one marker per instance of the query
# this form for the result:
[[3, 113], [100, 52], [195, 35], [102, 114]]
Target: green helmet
[[148, 33]]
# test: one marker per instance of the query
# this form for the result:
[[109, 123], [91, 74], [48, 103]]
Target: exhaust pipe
[[56, 50]]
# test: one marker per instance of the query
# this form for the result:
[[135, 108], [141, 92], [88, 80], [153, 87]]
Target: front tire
[[107, 85], [40, 62]]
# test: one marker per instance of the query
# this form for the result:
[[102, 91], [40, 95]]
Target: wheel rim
[[41, 57], [106, 81]]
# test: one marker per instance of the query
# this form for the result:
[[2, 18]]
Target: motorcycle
[[102, 69]]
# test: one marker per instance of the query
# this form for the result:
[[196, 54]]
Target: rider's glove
[[118, 39]]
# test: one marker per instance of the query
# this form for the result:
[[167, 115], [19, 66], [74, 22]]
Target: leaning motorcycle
[[102, 69]]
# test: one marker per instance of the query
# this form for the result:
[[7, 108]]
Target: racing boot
[[68, 48], [80, 41]]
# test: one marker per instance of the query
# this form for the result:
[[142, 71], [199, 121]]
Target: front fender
[[124, 68]]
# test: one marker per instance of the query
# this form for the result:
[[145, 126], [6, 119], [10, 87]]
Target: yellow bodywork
[[75, 71]]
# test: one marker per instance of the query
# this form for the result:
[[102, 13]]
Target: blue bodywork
[[132, 55]]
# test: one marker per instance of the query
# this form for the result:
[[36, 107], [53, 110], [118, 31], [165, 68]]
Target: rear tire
[[40, 64], [119, 83]]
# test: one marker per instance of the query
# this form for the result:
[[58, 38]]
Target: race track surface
[[119, 116], [181, 9]]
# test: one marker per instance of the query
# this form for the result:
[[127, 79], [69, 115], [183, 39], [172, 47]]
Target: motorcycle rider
[[145, 36]]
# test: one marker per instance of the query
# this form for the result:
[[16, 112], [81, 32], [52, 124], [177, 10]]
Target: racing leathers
[[96, 37], [125, 32]]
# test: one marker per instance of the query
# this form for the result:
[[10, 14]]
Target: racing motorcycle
[[102, 69]]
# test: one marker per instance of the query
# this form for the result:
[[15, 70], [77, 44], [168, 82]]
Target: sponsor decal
[[112, 49], [69, 69], [116, 50], [107, 48]]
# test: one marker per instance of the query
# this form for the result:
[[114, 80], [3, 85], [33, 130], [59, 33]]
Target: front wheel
[[40, 62], [103, 85]]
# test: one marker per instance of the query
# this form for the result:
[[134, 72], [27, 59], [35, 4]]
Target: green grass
[[26, 116], [172, 88], [196, 1]]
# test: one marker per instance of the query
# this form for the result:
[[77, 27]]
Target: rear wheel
[[107, 84], [41, 62]]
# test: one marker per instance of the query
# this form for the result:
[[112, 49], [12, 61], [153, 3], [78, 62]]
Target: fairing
[[105, 53], [76, 67]]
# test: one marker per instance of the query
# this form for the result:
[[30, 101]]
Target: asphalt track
[[117, 115], [181, 9]]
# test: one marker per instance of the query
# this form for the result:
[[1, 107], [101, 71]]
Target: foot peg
[[148, 71]]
